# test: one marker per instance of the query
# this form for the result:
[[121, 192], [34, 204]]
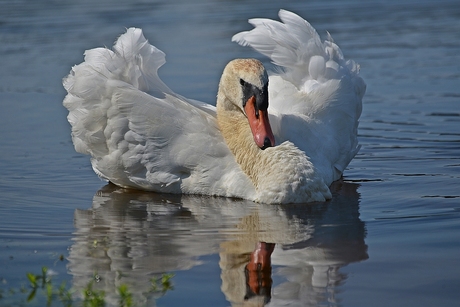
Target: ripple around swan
[[144, 235]]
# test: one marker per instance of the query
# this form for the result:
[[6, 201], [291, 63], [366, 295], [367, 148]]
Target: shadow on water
[[130, 237]]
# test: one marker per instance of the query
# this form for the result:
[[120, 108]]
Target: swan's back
[[315, 96]]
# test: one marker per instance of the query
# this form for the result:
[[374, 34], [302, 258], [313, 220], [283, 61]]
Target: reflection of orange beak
[[259, 271], [260, 125]]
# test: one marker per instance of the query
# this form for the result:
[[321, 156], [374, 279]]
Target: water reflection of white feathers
[[131, 237]]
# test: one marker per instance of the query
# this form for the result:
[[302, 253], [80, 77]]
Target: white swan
[[142, 135]]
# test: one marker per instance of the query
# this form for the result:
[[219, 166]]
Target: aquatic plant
[[41, 286]]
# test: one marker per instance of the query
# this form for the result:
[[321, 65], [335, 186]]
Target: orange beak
[[260, 125]]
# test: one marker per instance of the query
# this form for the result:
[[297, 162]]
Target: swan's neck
[[280, 174], [237, 134]]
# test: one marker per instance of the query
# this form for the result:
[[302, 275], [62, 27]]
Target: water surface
[[389, 237]]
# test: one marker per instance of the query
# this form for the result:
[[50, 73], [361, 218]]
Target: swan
[[282, 138]]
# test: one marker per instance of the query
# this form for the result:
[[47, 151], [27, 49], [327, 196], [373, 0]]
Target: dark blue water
[[389, 237]]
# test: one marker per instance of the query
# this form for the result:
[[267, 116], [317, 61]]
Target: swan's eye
[[248, 91]]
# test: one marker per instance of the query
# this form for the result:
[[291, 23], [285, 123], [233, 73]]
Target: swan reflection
[[130, 237]]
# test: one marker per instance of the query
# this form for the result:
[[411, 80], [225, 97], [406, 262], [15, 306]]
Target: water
[[389, 237]]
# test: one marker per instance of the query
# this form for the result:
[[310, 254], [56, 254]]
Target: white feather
[[158, 141], [316, 98], [140, 134]]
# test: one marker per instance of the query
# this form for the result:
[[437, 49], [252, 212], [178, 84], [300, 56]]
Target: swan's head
[[244, 83]]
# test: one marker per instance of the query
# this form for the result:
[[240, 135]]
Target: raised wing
[[306, 62], [140, 133], [316, 95]]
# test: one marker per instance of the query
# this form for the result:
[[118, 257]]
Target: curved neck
[[280, 174], [238, 136]]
